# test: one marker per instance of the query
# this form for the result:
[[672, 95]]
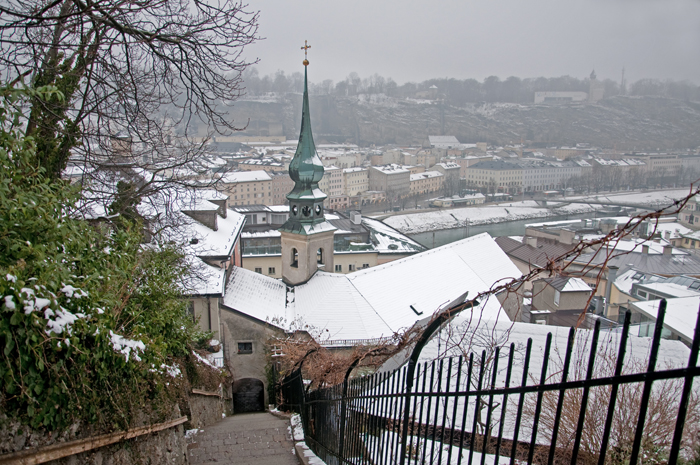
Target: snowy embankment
[[652, 199], [459, 217], [512, 211]]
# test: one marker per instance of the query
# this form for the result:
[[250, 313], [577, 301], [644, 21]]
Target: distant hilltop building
[[560, 97], [596, 92], [596, 89], [430, 94]]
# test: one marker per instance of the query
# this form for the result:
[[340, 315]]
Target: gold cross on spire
[[305, 48]]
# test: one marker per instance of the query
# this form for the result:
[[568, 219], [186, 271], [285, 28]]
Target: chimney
[[667, 235], [668, 250], [612, 275], [645, 249], [222, 204], [531, 241], [206, 217], [356, 217]]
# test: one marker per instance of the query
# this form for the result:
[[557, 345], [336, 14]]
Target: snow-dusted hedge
[[92, 325]]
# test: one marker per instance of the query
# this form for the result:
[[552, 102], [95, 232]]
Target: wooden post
[[66, 449]]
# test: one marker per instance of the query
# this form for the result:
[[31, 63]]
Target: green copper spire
[[306, 170]]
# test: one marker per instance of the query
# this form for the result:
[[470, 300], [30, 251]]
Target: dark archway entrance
[[248, 395]]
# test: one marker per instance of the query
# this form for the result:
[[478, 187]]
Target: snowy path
[[244, 439]]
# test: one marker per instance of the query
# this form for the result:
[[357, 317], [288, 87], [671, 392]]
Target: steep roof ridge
[[352, 283], [377, 268]]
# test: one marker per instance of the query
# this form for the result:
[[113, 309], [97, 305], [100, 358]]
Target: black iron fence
[[515, 405]]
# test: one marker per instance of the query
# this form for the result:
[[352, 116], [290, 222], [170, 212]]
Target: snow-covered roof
[[448, 166], [426, 174], [674, 230], [214, 243], [637, 245], [332, 305], [575, 285], [378, 301], [260, 234], [671, 289], [264, 161], [203, 279], [245, 176], [256, 295], [390, 169], [626, 280], [568, 284], [388, 240], [428, 280], [691, 235], [681, 313]]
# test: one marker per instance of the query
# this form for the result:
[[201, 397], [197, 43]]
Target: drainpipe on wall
[[612, 275], [209, 311]]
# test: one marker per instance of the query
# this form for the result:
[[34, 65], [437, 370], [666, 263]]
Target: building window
[[351, 267], [365, 265], [258, 270], [271, 270], [245, 347], [338, 268], [557, 295]]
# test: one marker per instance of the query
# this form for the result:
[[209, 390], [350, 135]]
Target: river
[[507, 228]]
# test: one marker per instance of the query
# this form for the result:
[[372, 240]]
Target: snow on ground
[[296, 430], [455, 218], [654, 198], [311, 458], [424, 450], [192, 432]]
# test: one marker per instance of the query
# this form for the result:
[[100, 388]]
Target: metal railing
[[506, 406]]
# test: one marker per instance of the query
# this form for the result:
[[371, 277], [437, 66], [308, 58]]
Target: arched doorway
[[248, 395]]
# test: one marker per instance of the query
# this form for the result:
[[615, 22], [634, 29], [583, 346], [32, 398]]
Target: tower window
[[319, 256], [295, 258]]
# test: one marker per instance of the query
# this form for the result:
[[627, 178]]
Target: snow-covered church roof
[[379, 301]]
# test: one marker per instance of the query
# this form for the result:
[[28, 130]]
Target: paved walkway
[[248, 438]]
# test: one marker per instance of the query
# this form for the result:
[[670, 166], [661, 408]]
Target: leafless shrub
[[660, 421]]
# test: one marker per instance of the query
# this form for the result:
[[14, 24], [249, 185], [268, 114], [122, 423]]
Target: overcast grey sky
[[411, 40]]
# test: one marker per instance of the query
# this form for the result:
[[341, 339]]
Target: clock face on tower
[[306, 210], [318, 210], [295, 210]]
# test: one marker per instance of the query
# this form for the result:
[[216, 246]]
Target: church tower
[[307, 238]]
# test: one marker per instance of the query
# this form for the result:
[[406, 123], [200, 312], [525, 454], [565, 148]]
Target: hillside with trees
[[649, 115]]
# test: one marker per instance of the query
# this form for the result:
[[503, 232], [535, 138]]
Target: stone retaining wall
[[205, 410]]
